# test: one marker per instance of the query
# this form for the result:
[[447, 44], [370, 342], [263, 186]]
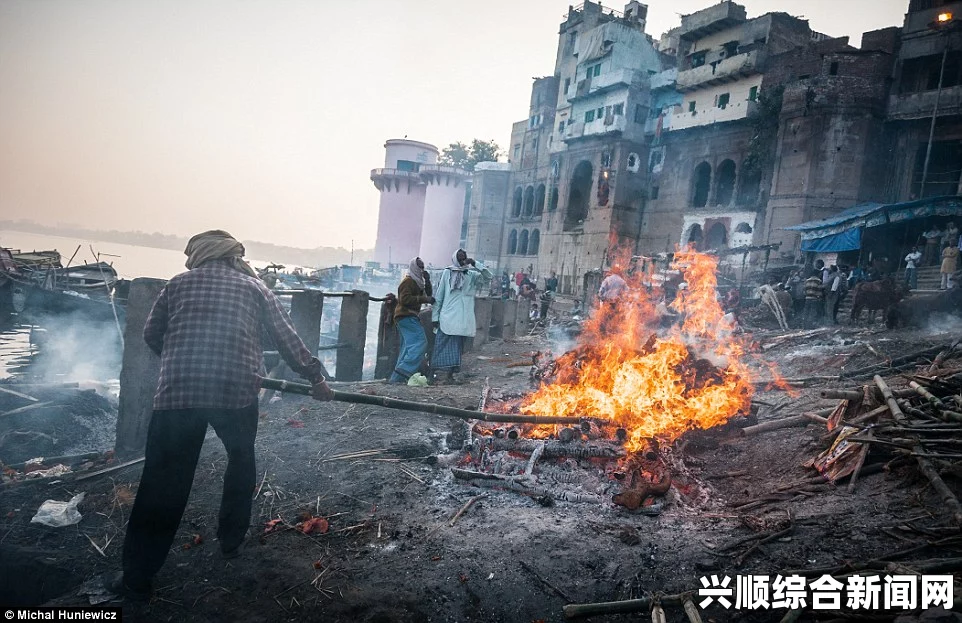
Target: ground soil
[[391, 555]]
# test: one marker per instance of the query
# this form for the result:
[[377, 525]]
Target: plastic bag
[[418, 380], [59, 514]]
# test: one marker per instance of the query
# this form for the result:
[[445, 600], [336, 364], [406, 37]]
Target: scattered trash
[[56, 470], [418, 380], [273, 525], [59, 514], [295, 423], [313, 525], [96, 591]]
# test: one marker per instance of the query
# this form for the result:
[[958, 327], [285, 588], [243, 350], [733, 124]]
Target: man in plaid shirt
[[206, 327]]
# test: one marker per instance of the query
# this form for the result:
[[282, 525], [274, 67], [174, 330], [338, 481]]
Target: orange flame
[[654, 384]]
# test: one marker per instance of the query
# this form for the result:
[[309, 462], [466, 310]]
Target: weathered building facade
[[724, 132]]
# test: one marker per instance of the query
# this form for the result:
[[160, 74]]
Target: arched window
[[528, 201], [553, 201], [717, 237], [523, 242], [539, 200], [534, 242], [579, 192], [700, 185], [516, 205], [694, 236], [726, 183], [743, 228], [513, 242], [748, 186]]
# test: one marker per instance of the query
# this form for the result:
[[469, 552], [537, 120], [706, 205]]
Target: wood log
[[690, 610], [556, 449], [925, 466], [789, 422], [924, 393], [628, 606], [18, 394], [863, 453], [424, 407]]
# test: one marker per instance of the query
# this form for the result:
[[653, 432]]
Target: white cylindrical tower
[[443, 213], [401, 210]]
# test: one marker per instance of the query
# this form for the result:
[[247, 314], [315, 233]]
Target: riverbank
[[390, 553]]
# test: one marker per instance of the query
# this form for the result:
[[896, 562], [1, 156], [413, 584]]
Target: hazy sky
[[265, 117]]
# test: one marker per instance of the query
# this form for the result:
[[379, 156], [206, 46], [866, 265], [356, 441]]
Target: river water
[[68, 349]]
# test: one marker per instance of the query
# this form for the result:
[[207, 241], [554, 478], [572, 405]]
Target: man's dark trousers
[[174, 441]]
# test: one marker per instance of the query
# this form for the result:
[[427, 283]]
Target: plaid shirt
[[206, 327]]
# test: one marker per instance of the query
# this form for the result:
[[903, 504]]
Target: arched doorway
[[529, 201], [726, 183], [539, 195], [694, 236], [701, 185], [579, 192]]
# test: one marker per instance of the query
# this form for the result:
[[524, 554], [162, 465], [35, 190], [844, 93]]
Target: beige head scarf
[[216, 244], [416, 273]]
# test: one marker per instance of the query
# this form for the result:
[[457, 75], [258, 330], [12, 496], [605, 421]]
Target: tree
[[467, 156]]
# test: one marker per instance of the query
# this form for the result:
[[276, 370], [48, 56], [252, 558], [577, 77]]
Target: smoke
[[75, 348], [942, 323]]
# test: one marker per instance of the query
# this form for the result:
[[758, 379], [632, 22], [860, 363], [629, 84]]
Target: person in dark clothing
[[411, 295], [206, 327]]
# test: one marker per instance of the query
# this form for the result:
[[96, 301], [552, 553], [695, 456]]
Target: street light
[[944, 23]]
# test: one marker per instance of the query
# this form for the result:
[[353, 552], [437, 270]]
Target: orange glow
[[654, 383], [945, 17]]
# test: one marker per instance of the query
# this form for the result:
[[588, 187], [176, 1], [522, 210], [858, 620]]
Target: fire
[[654, 383]]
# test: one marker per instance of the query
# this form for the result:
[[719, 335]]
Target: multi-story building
[[928, 48], [724, 133], [577, 163], [708, 161]]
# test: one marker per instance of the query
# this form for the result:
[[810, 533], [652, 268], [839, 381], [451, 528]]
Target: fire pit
[[637, 382]]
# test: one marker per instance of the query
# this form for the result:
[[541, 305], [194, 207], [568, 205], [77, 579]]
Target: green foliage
[[761, 148], [467, 156]]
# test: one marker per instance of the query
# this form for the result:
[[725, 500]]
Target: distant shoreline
[[317, 257]]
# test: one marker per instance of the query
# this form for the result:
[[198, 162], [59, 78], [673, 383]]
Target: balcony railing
[[603, 82], [598, 127], [726, 70], [921, 105]]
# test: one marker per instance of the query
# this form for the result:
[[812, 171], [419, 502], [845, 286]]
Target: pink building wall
[[401, 209], [443, 212]]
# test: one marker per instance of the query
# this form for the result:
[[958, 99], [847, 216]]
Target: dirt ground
[[390, 553]]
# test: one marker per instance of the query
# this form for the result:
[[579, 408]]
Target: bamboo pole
[[408, 405], [926, 467], [924, 393]]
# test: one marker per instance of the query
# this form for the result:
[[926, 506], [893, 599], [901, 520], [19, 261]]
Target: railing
[[726, 70]]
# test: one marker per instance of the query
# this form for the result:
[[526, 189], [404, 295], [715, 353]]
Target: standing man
[[911, 261], [933, 238], [411, 295], [814, 292], [950, 262], [453, 311], [206, 328]]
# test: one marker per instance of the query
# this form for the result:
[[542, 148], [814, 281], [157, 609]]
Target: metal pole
[[935, 114]]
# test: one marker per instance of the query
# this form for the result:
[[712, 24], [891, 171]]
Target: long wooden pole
[[408, 405]]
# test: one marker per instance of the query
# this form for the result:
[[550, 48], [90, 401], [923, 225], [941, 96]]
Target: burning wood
[[689, 377]]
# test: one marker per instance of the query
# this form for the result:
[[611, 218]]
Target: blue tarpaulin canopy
[[843, 232]]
